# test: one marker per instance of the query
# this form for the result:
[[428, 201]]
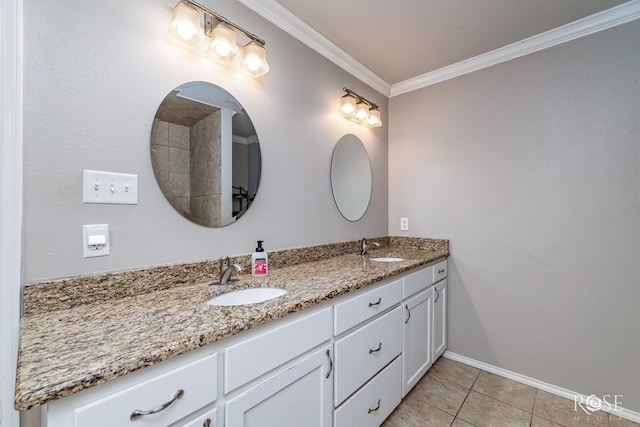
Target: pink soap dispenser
[[259, 262]]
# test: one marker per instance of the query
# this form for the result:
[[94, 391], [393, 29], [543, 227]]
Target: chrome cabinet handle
[[409, 314], [371, 304], [330, 364], [375, 350], [374, 409], [138, 413], [441, 271], [207, 423], [437, 295]]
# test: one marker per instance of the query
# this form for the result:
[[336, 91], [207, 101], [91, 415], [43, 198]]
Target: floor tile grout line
[[535, 394], [465, 398]]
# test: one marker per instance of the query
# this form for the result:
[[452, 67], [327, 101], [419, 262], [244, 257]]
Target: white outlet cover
[[95, 233]]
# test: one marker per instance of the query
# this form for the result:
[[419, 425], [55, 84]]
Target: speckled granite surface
[[85, 331]]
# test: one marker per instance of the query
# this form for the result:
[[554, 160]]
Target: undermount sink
[[386, 259], [247, 296]]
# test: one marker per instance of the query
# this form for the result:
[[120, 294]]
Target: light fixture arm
[[360, 98], [224, 20]]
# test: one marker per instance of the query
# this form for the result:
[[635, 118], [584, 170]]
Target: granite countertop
[[64, 351]]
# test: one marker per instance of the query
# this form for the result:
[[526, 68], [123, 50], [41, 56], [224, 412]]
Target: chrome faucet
[[226, 269], [364, 248]]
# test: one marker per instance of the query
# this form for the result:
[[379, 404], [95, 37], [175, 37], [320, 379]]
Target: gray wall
[[532, 169], [95, 73]]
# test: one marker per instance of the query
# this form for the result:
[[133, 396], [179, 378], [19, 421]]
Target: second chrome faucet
[[364, 247]]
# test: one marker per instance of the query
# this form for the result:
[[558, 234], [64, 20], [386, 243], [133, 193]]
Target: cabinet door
[[417, 345], [439, 319], [298, 396]]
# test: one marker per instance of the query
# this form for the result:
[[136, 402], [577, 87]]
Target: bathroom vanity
[[342, 347]]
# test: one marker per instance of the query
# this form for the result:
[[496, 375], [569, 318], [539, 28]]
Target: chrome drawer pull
[[374, 409], [138, 413], [371, 304], [330, 364], [207, 423], [375, 350], [437, 295], [409, 314], [441, 271]]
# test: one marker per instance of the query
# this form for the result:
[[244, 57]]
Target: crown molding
[[583, 27], [282, 18], [288, 22]]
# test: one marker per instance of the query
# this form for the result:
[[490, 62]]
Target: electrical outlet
[[404, 224], [95, 240]]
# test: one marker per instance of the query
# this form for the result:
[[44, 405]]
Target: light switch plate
[[109, 187], [95, 233]]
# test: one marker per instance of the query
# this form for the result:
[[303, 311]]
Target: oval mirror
[[351, 177], [205, 154]]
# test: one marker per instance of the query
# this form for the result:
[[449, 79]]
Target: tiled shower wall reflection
[[187, 167]]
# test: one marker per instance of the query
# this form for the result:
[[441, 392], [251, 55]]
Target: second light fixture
[[186, 27], [359, 109]]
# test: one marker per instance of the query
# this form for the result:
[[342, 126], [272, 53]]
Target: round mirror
[[351, 177], [205, 154]]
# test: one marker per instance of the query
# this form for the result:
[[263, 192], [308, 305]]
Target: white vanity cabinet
[[363, 353], [294, 392], [297, 396], [153, 397], [374, 402], [424, 332], [417, 350], [367, 357], [439, 319], [347, 362], [206, 419], [273, 347]]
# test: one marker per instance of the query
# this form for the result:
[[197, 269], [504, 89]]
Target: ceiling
[[394, 41]]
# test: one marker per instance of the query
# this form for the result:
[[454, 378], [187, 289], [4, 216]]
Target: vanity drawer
[[415, 282], [362, 307], [197, 380], [440, 271], [255, 356], [208, 419], [366, 351], [374, 402]]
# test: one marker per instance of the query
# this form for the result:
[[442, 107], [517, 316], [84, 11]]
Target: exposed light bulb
[[252, 63], [185, 30]]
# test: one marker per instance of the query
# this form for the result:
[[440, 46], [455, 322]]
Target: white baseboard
[[554, 389]]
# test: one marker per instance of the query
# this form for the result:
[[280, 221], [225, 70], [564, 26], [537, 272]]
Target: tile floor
[[459, 395]]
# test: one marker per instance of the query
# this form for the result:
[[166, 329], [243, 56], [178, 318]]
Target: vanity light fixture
[[359, 109], [221, 33]]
